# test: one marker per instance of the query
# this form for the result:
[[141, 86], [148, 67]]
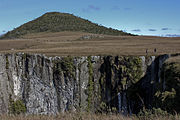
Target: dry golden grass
[[66, 117], [85, 116], [67, 43]]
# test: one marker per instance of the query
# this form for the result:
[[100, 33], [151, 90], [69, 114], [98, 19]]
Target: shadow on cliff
[[135, 96]]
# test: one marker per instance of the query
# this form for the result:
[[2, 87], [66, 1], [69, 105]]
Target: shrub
[[17, 107], [150, 114]]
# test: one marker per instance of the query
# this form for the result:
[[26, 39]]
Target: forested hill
[[57, 22]]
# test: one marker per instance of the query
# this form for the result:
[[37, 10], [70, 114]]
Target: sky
[[142, 17]]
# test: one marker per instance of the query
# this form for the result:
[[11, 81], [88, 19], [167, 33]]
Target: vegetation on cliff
[[64, 65], [57, 22], [118, 75], [168, 92], [90, 85], [17, 107]]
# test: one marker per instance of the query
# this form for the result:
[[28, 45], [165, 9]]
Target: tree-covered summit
[[57, 22]]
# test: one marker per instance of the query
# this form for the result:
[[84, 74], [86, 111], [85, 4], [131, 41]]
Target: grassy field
[[77, 44]]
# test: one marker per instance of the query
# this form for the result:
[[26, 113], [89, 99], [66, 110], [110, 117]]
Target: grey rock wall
[[49, 85]]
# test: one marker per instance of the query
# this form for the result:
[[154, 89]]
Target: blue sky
[[143, 17]]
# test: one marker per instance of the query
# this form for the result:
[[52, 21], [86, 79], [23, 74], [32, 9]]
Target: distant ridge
[[57, 22]]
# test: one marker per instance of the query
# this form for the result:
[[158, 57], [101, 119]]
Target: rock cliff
[[50, 85]]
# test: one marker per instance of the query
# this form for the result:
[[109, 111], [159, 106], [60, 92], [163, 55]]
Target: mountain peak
[[57, 22]]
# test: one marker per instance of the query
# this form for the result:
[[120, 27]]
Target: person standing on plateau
[[146, 51], [155, 50]]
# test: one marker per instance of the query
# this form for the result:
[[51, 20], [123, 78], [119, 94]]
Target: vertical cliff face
[[52, 85], [143, 91], [28, 78]]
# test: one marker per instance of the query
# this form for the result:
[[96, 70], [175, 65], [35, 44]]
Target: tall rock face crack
[[49, 85]]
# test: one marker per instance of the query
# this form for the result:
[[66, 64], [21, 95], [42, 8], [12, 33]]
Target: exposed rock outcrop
[[49, 85]]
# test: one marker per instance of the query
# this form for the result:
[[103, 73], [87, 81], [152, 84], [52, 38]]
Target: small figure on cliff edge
[[146, 51], [155, 50]]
